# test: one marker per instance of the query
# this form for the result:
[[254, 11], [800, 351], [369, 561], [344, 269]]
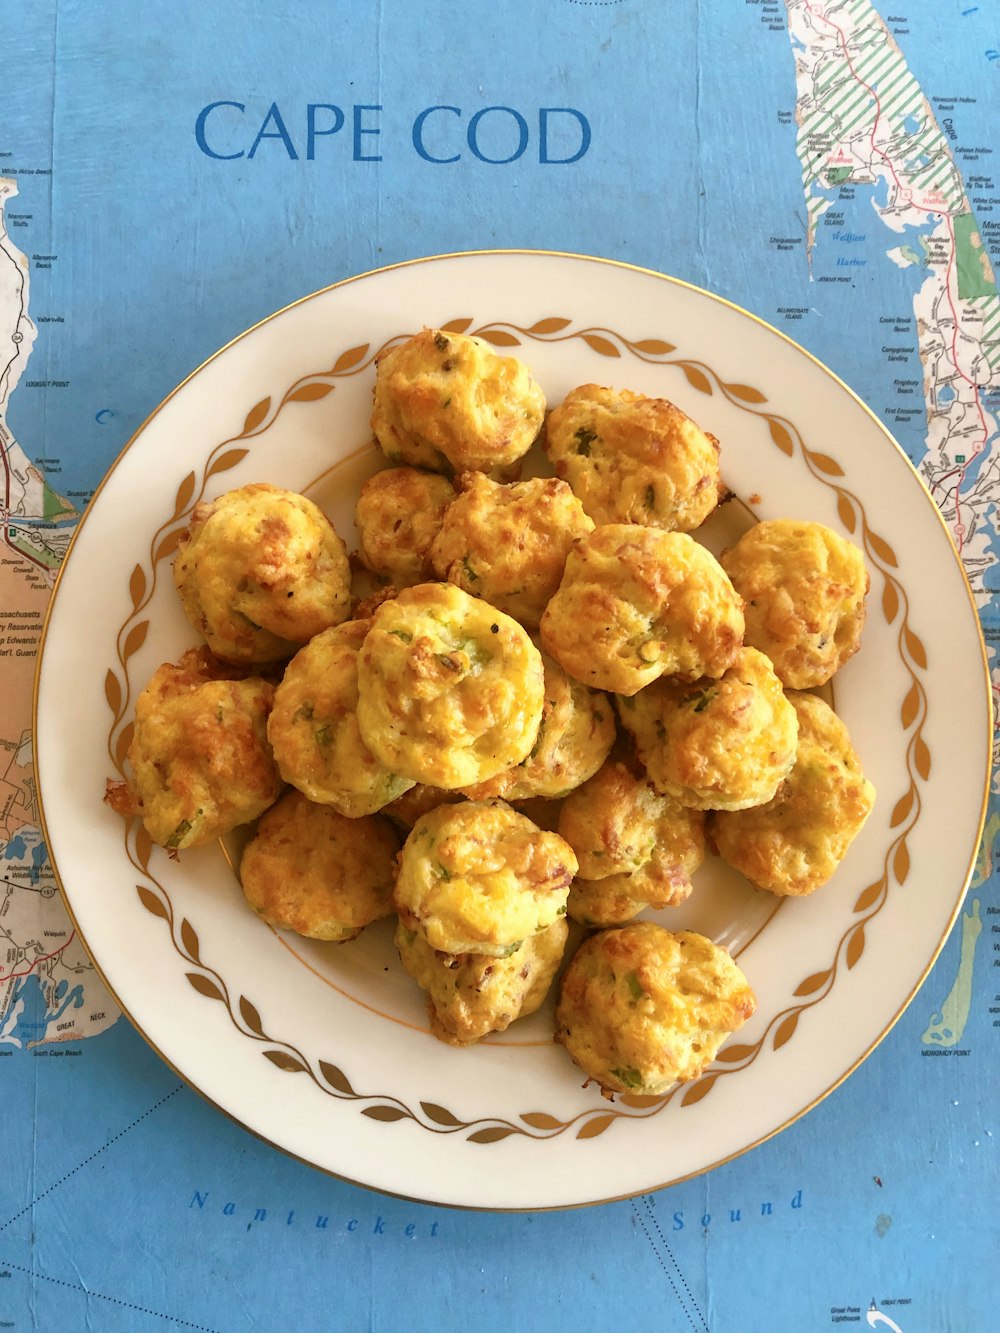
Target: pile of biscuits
[[553, 704]]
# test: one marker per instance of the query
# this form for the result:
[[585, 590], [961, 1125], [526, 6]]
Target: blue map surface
[[167, 178]]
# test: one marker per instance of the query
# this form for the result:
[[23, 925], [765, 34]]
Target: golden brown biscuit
[[313, 727], [636, 603], [508, 544], [450, 689], [481, 878], [310, 870], [794, 844], [201, 762], [447, 402], [633, 459], [804, 587], [398, 515], [575, 734], [471, 995], [641, 1009], [610, 821], [260, 571], [636, 849], [717, 744]]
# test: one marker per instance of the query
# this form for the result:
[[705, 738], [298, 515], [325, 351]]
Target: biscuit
[[471, 995], [636, 603], [716, 744], [636, 849], [793, 845], [804, 587], [633, 459], [313, 727], [201, 763], [448, 402], [641, 1008], [398, 515], [259, 572], [575, 734], [310, 870], [508, 544], [480, 878], [450, 690]]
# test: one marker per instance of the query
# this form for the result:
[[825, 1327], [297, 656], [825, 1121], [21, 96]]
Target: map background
[[164, 254]]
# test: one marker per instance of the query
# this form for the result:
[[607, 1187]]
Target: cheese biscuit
[[313, 727], [448, 402], [641, 1008], [633, 459], [480, 878], [793, 845], [200, 759], [716, 744], [804, 587], [636, 603], [259, 572], [471, 995], [311, 870], [450, 690], [508, 544]]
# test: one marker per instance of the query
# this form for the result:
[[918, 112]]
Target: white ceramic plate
[[324, 1050]]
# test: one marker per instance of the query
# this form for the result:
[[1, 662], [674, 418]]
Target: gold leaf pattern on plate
[[785, 1030], [855, 945], [554, 324], [285, 1062], [207, 987], [253, 419], [781, 436], [184, 493], [226, 461], [250, 1016], [744, 393], [597, 343], [311, 393], [113, 692], [813, 983], [499, 338], [700, 1089], [350, 358], [151, 903]]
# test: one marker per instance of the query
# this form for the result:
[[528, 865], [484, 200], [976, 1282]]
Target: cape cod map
[[826, 163]]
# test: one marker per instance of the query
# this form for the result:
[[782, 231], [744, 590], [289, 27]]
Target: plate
[[324, 1050]]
